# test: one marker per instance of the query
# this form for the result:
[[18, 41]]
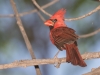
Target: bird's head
[[58, 16]]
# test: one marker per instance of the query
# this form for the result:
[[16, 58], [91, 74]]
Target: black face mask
[[54, 21]]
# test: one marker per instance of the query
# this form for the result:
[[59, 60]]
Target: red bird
[[64, 38]]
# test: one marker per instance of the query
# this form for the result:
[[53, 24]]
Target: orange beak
[[48, 23]]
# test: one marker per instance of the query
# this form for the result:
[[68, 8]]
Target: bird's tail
[[73, 55]]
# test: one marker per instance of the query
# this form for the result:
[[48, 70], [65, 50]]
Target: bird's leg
[[56, 54], [59, 62]]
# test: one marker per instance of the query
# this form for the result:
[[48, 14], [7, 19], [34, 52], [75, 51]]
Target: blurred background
[[12, 45]]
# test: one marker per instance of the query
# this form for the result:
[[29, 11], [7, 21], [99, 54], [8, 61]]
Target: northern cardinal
[[64, 38]]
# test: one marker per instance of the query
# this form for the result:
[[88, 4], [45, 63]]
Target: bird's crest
[[60, 13]]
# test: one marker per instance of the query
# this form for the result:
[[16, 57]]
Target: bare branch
[[94, 72], [32, 11], [36, 4], [20, 25], [41, 17], [4, 16], [88, 14], [43, 7], [26, 63], [90, 34]]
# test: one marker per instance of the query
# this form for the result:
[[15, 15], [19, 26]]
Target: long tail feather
[[73, 55]]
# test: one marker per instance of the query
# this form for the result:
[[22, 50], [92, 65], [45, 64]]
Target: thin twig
[[36, 4], [19, 23], [4, 16], [88, 14], [42, 18], [90, 34], [31, 11], [26, 63], [43, 7], [40, 15]]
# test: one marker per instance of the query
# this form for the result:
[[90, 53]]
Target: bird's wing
[[63, 35]]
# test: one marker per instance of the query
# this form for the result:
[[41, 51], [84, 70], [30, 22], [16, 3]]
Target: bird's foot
[[57, 64]]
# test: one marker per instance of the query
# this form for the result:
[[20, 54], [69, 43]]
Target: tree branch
[[37, 5], [20, 25], [95, 71], [31, 11], [26, 63], [90, 34], [42, 18], [88, 14]]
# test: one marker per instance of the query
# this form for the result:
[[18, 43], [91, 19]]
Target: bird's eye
[[53, 20]]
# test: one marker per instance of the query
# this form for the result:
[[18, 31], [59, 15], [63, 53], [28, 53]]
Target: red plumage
[[64, 38]]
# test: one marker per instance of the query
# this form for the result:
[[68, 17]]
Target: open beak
[[48, 23]]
